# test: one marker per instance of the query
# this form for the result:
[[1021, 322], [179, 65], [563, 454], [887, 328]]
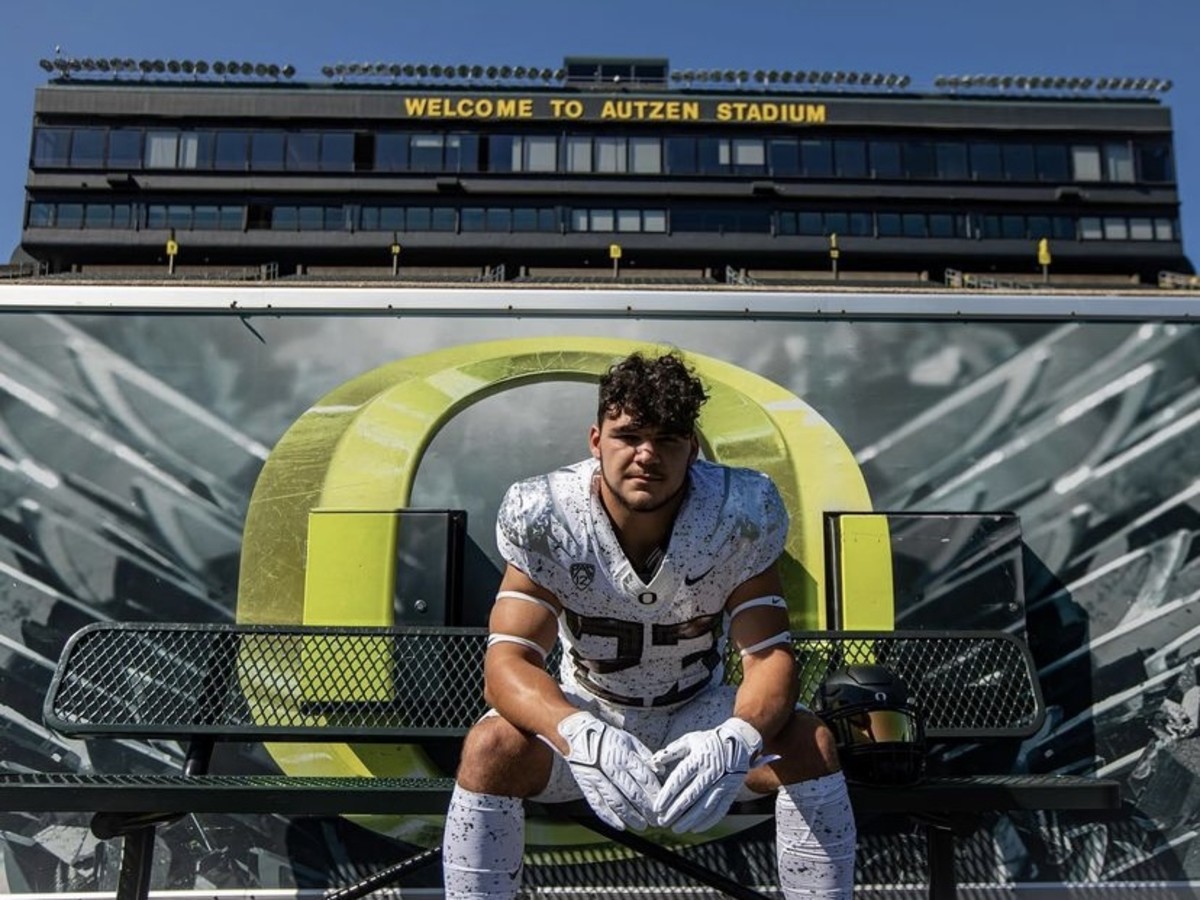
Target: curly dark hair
[[661, 392]]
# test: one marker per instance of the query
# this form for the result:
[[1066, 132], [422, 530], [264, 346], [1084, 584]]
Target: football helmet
[[880, 736]]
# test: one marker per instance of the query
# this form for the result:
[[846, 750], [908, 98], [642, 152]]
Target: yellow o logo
[[359, 448]]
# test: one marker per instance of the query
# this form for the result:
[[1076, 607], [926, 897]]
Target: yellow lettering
[[556, 107], [506, 108], [724, 112], [772, 112], [609, 110], [657, 110], [691, 110], [525, 108], [415, 106], [754, 112], [574, 109], [815, 112], [484, 108]]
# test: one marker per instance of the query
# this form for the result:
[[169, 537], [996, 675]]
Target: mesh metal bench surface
[[205, 683]]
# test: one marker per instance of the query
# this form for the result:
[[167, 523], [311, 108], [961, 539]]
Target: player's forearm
[[767, 695], [527, 697]]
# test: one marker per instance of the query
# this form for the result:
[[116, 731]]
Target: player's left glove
[[710, 768]]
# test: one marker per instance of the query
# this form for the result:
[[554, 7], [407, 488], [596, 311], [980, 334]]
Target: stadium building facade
[[601, 162]]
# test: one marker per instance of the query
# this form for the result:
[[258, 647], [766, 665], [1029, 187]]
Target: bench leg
[[386, 876], [137, 857], [940, 853]]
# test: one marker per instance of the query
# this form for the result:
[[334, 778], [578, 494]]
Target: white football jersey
[[625, 640]]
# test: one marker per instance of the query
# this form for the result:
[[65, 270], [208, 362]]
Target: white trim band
[[782, 637], [529, 598], [515, 639]]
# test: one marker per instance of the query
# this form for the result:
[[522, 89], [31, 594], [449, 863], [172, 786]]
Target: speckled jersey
[[627, 641]]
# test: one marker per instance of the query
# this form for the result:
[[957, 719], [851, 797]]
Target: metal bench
[[200, 684]]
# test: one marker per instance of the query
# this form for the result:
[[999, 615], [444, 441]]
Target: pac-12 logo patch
[[582, 574]]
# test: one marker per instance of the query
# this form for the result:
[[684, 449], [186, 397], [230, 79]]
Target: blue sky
[[921, 38]]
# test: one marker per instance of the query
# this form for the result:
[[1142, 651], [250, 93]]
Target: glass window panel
[[41, 215], [610, 154], [462, 153], [417, 218], [816, 158], [541, 153], [1012, 227], [681, 155], [990, 227], [232, 218], [654, 220], [161, 147], [97, 215], [1018, 162], [501, 149], [1154, 162], [809, 223], [122, 215], [231, 151], [1116, 228], [602, 220], [1164, 229], [986, 164], [645, 155], [443, 218], [1053, 163], [783, 156], [1063, 227], [687, 220], [629, 220], [179, 215], [952, 161], [751, 221], [87, 148], [1085, 160], [1118, 162], [195, 149], [889, 224], [284, 218], [368, 218], [850, 159], [205, 218], [303, 152], [724, 153], [156, 216], [919, 160], [311, 218], [50, 146], [837, 223], [1039, 227], [579, 220], [787, 223], [471, 218], [708, 155], [391, 152], [337, 151], [425, 153], [578, 154], [749, 155], [125, 148], [391, 218], [498, 218], [70, 215], [885, 159], [861, 224], [914, 225], [1090, 229], [1141, 229], [524, 219], [547, 220], [452, 153], [266, 151], [941, 225]]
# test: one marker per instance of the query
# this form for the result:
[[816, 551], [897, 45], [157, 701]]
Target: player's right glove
[[612, 768]]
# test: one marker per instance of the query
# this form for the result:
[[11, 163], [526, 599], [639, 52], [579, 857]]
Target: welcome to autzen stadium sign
[[641, 109]]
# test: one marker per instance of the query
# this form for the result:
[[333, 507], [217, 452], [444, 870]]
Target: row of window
[[552, 219], [1117, 161]]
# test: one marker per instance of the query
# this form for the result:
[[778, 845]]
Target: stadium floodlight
[[492, 73], [772, 76], [851, 78], [260, 69], [814, 77], [173, 66], [518, 72], [89, 64], [760, 76], [476, 72], [327, 71], [560, 74], [103, 65], [464, 71], [289, 71], [409, 70], [273, 70], [905, 81], [218, 68], [879, 79], [435, 71], [422, 70], [353, 68], [160, 66], [187, 66], [247, 68], [506, 72], [729, 75], [839, 77], [701, 76], [1165, 85], [742, 76], [145, 66], [201, 67], [785, 76], [46, 64]]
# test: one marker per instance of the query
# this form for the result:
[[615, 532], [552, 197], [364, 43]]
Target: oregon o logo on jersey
[[358, 448]]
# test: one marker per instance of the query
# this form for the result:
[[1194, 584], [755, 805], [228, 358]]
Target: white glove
[[612, 768], [710, 769]]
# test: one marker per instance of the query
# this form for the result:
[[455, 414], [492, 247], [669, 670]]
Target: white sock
[[815, 839], [482, 846]]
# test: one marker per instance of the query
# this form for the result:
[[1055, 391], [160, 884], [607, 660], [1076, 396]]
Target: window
[[502, 150], [1090, 229], [850, 159], [311, 218], [541, 154], [681, 155], [337, 151], [861, 224], [1052, 162], [712, 156], [578, 153], [1063, 228], [161, 148], [443, 218], [524, 219], [50, 147], [284, 218], [498, 218], [610, 154], [391, 218], [952, 161], [629, 220], [266, 151], [1141, 229], [87, 148], [97, 215], [462, 153], [230, 154], [1085, 161], [885, 159], [1012, 227], [1039, 227], [837, 223], [70, 215], [41, 215], [602, 220], [816, 159], [579, 220], [986, 164], [1154, 162], [205, 218], [809, 223], [749, 156], [1164, 230], [645, 155], [419, 218], [919, 160], [913, 225], [231, 218], [391, 152], [195, 150], [654, 220], [125, 148], [1018, 162], [1116, 228], [941, 225], [303, 152], [784, 157], [889, 224], [425, 153], [1118, 162]]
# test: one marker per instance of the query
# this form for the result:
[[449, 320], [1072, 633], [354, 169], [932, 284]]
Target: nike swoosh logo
[[689, 580]]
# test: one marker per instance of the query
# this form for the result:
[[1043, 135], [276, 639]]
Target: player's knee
[[499, 759]]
